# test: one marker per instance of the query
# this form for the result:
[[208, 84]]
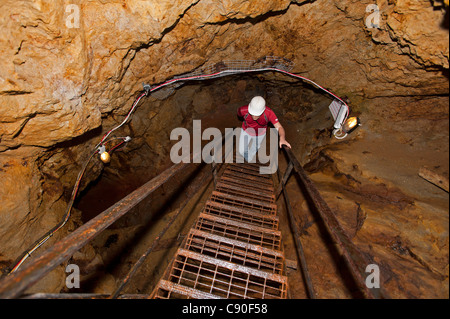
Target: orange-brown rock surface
[[70, 71]]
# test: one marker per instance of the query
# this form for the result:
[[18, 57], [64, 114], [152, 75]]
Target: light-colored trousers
[[249, 145]]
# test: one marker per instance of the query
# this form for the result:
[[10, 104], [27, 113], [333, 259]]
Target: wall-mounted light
[[104, 155], [351, 124]]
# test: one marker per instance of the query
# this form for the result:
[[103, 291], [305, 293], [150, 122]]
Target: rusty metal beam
[[80, 296], [285, 178], [140, 261], [16, 283], [214, 172], [296, 234], [196, 188], [356, 260]]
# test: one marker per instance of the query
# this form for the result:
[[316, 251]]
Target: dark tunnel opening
[[301, 108]]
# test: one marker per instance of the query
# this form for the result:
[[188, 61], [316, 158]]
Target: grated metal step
[[246, 192], [223, 279], [239, 231], [248, 203], [241, 215], [234, 250], [222, 248], [248, 177], [243, 170]]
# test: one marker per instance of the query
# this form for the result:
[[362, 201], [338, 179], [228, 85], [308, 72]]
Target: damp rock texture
[[70, 71]]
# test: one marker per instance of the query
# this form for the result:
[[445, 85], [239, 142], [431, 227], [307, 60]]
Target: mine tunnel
[[92, 94]]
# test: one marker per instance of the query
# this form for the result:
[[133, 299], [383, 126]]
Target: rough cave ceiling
[[64, 79]]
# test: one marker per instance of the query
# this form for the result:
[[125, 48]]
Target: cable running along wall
[[221, 69]]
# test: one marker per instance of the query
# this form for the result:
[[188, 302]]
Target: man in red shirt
[[256, 117]]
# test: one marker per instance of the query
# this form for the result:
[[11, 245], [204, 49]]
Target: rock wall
[[70, 71], [65, 71]]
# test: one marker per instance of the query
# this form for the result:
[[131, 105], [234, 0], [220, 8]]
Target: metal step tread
[[241, 215], [266, 189], [258, 178], [245, 192], [169, 290], [246, 166], [243, 170], [239, 224], [248, 180], [234, 249], [239, 231], [246, 254], [224, 279], [239, 201]]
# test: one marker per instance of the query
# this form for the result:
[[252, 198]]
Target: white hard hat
[[257, 106]]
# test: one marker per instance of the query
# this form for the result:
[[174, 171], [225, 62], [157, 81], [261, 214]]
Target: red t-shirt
[[249, 123]]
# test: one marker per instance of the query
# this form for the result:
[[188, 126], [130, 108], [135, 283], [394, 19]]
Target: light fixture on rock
[[104, 155], [342, 125], [351, 124]]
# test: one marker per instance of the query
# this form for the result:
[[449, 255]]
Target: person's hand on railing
[[284, 142], [282, 134]]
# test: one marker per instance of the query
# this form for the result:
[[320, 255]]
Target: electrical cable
[[125, 120], [147, 91], [199, 77], [339, 134], [116, 146], [123, 140], [51, 232]]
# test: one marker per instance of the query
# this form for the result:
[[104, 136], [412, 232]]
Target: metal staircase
[[234, 249]]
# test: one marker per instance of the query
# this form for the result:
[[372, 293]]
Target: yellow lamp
[[351, 124], [105, 157]]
